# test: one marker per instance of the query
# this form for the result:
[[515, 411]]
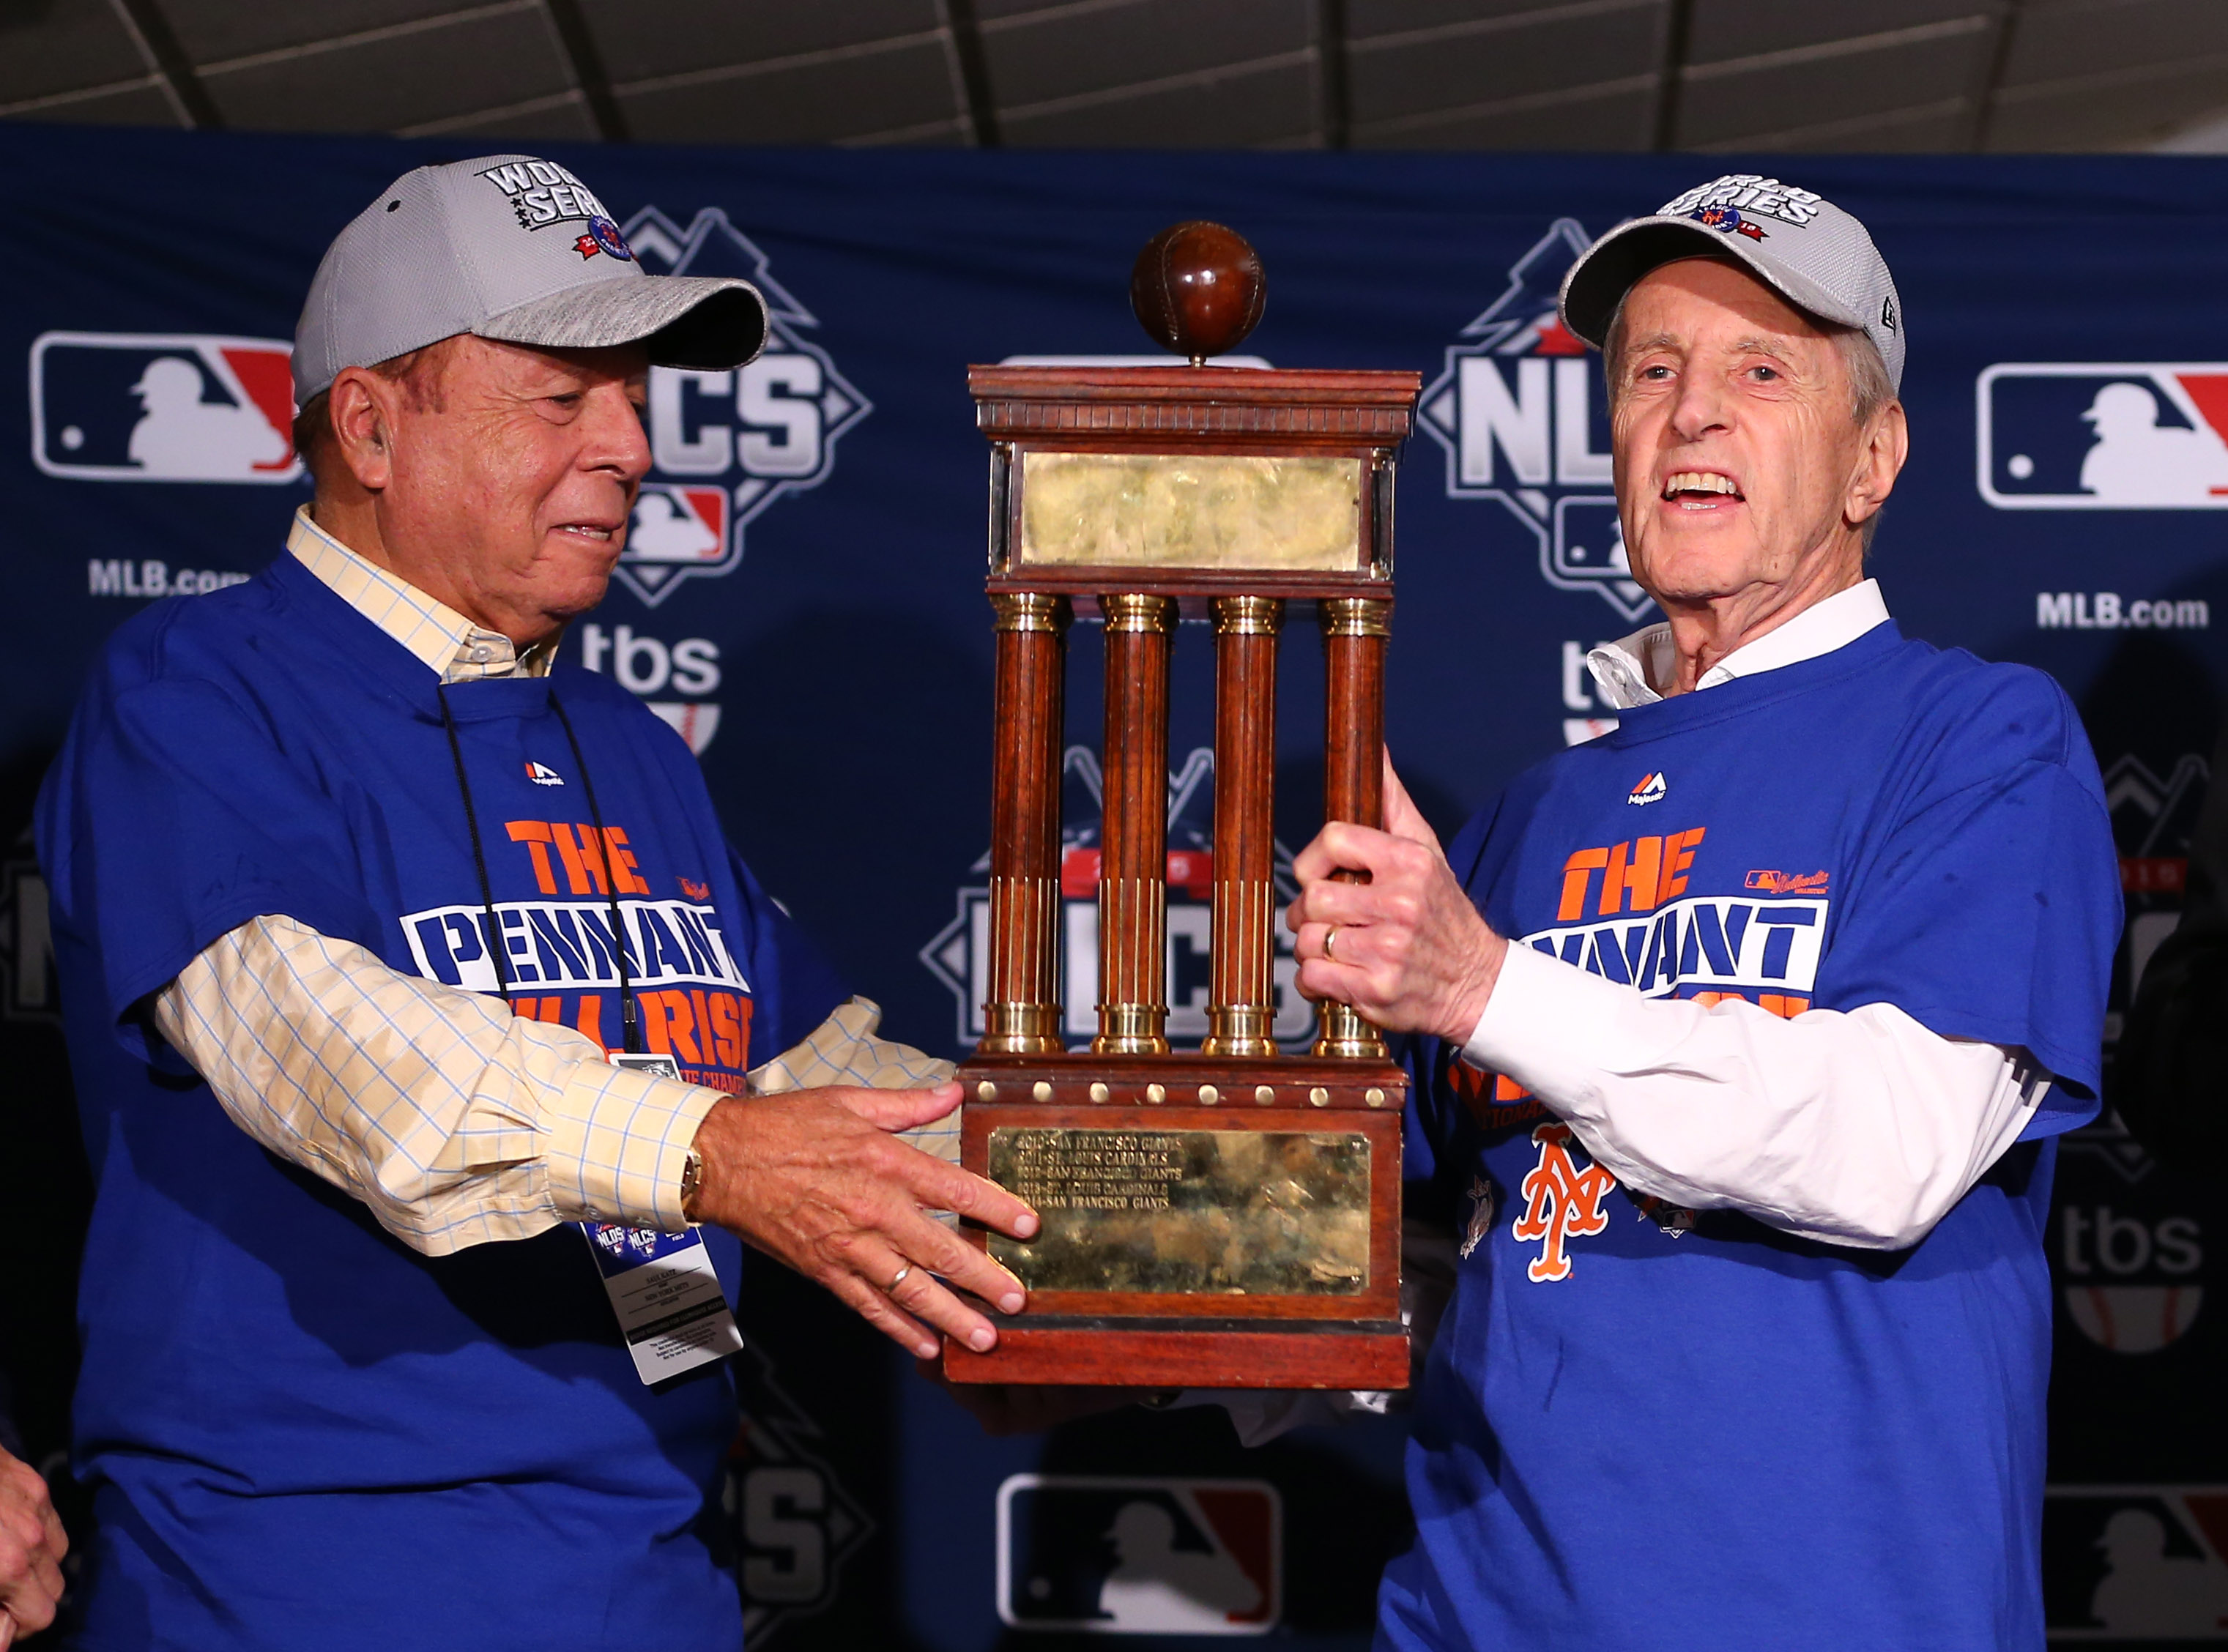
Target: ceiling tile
[[61, 45], [2066, 40], [1724, 29], [2111, 116], [1069, 50], [140, 105], [213, 31], [1715, 107], [813, 103], [1928, 128], [1244, 109], [563, 119], [406, 81], [639, 39], [1367, 18], [1618, 118], [1459, 71]]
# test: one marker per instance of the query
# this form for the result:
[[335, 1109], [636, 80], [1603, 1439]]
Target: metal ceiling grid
[[1605, 74]]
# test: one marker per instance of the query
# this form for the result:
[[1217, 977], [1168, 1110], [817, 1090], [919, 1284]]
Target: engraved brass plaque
[[1154, 510], [1220, 1212]]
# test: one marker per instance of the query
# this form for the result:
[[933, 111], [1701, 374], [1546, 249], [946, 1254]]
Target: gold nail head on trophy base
[[1208, 1095], [986, 1091], [1319, 1097], [1042, 1091], [1265, 1093], [1100, 1092], [1374, 1096], [1156, 1093]]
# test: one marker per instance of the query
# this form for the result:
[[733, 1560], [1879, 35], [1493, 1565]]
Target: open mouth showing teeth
[[587, 532], [1700, 487]]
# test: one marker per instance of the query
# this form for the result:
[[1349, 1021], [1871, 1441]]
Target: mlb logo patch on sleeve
[[163, 407], [2104, 436], [1104, 1556]]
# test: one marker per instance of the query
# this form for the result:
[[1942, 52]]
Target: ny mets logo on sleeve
[[1562, 1202]]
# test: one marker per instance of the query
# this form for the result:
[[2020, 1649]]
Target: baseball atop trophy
[[1226, 1216]]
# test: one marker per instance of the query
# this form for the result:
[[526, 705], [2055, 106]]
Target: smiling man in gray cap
[[398, 1326], [1747, 1030]]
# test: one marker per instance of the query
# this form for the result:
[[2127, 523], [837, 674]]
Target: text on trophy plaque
[[1223, 1211]]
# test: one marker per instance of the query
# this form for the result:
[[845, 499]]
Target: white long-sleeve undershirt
[[1860, 1128]]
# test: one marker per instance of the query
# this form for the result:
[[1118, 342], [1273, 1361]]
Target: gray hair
[[1870, 388]]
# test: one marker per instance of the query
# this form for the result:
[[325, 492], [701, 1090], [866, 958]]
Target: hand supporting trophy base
[[1227, 1217]]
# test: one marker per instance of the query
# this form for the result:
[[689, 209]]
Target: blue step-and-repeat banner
[[801, 597]]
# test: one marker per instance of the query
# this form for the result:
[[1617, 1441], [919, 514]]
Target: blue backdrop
[[803, 598]]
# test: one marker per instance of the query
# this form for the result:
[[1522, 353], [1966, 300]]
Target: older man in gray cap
[[1747, 1030], [420, 1012]]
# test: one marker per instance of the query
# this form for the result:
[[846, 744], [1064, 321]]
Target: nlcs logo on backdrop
[[959, 957], [724, 446], [163, 407], [2104, 436], [1139, 1557], [1523, 417]]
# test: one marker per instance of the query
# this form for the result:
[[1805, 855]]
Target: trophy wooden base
[[1227, 1354], [1206, 1222]]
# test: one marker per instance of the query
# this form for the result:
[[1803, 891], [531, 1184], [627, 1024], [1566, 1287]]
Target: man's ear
[[363, 408], [1886, 443]]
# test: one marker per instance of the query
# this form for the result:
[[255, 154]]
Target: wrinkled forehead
[[1695, 301]]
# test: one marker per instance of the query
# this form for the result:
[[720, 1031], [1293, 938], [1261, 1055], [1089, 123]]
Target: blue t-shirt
[[1643, 1426], [301, 1431]]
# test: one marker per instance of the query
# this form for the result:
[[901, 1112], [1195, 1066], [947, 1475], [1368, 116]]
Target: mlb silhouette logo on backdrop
[[163, 407], [1109, 1556], [2104, 436]]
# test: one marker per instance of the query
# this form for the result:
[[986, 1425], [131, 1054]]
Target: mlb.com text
[[117, 577], [2104, 611]]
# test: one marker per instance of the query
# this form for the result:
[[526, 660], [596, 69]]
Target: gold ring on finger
[[903, 1274], [1330, 936]]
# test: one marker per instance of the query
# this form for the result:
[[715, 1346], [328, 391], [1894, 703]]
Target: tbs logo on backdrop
[[1140, 1557], [163, 407], [1522, 416], [725, 447], [2103, 436]]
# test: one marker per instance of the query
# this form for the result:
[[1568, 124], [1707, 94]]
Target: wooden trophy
[[1227, 1217]]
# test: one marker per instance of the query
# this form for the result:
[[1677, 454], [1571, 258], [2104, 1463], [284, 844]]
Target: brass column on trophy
[[1226, 1217]]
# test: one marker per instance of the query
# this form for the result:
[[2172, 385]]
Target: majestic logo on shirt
[[1650, 789], [163, 407], [1521, 415], [726, 445], [2112, 436], [1562, 1202], [542, 775]]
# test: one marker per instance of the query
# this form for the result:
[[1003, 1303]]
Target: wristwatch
[[692, 1178]]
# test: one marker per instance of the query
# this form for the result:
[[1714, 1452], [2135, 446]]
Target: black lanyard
[[630, 1021]]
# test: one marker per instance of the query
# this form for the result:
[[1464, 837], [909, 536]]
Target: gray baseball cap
[[1817, 257], [510, 248]]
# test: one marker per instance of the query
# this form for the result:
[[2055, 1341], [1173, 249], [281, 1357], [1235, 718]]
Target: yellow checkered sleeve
[[454, 1121]]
